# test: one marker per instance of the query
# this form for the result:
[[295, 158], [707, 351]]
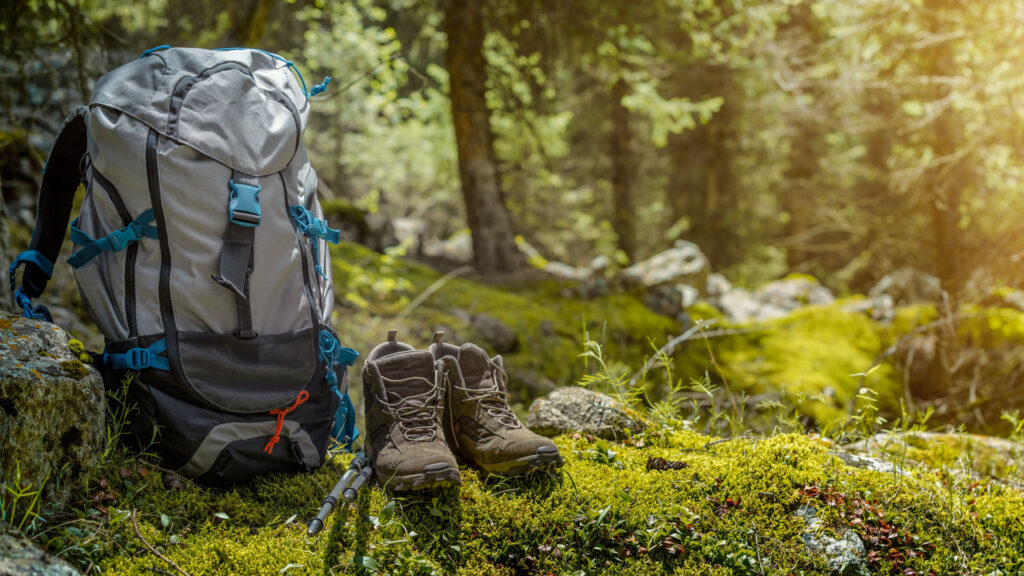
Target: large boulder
[[20, 557], [576, 409], [52, 408]]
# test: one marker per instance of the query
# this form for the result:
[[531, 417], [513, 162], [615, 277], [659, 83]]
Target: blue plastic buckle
[[244, 205], [138, 359], [123, 237]]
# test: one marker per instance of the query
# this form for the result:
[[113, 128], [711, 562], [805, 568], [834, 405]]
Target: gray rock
[[563, 270], [740, 306], [870, 463], [773, 300], [881, 308], [19, 556], [679, 265], [845, 555], [495, 333], [908, 286], [717, 285], [39, 378], [576, 409], [671, 299], [792, 293]]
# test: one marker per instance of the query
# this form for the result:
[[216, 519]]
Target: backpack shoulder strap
[[61, 178]]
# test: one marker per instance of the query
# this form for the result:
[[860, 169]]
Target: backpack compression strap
[[61, 179]]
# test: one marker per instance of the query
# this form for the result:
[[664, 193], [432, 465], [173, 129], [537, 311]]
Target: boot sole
[[439, 475], [545, 458]]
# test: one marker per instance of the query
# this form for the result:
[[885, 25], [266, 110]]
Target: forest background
[[839, 139]]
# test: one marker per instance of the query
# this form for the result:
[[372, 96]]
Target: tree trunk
[[802, 32], [494, 246], [798, 198], [623, 209], [247, 21], [951, 175], [701, 182]]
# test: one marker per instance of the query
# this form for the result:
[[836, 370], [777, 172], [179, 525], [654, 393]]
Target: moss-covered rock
[[52, 415], [575, 409]]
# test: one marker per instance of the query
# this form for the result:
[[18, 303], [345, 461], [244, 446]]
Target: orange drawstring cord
[[281, 413]]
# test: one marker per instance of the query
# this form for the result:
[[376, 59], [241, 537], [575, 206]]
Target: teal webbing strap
[[113, 242]]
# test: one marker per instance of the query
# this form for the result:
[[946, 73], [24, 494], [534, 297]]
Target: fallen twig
[[707, 445], [694, 332], [149, 547], [437, 285]]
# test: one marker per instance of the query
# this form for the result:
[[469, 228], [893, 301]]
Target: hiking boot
[[404, 401], [479, 424]]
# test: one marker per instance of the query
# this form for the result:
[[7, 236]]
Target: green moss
[[815, 358], [78, 349], [75, 369], [729, 511]]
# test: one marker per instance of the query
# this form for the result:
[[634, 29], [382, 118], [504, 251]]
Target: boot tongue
[[476, 367], [407, 374]]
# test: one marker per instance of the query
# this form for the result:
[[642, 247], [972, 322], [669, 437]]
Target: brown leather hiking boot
[[479, 425], [404, 401]]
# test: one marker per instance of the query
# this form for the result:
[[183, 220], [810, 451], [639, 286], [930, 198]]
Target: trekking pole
[[353, 473], [352, 491]]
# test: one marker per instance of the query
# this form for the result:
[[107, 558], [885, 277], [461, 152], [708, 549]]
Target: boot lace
[[494, 400], [417, 414]]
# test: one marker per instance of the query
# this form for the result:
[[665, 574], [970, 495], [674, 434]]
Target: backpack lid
[[244, 108]]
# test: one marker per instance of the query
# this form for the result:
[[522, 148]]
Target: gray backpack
[[198, 255]]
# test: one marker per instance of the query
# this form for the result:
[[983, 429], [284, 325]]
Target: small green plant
[[1016, 425], [865, 420], [20, 504], [603, 377]]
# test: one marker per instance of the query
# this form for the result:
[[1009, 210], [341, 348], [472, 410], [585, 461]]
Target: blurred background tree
[[839, 139]]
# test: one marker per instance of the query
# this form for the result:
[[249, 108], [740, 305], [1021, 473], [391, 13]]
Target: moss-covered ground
[[727, 509]]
